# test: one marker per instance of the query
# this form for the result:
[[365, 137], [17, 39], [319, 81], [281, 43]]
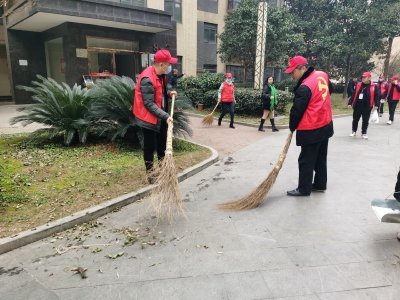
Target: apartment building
[[69, 39]]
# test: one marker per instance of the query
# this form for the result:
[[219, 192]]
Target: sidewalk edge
[[32, 235]]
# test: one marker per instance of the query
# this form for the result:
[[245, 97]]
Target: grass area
[[337, 109], [40, 183]]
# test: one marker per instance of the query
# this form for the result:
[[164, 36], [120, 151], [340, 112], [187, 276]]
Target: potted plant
[[200, 107]]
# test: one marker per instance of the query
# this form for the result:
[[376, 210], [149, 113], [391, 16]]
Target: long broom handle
[[215, 107], [170, 129]]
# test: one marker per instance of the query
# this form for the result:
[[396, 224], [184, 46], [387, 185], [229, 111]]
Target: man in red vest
[[381, 86], [151, 108], [393, 96], [363, 100], [311, 116], [227, 96]]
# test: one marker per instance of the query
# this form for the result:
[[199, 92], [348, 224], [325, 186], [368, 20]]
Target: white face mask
[[229, 81], [168, 70], [380, 80]]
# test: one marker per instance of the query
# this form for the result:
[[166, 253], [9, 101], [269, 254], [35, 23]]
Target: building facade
[[68, 39]]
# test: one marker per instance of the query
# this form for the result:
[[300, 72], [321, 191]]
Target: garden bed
[[40, 183]]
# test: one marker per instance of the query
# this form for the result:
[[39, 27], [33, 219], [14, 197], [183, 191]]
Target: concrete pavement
[[328, 246]]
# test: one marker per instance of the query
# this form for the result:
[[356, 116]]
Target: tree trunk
[[387, 59], [344, 101]]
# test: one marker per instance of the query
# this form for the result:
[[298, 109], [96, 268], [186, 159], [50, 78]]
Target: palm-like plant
[[113, 109], [58, 106]]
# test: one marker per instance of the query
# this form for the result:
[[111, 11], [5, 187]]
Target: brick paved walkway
[[224, 139]]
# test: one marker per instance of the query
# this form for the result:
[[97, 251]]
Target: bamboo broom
[[166, 196], [209, 119], [258, 196]]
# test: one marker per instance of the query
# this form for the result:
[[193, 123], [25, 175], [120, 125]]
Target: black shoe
[[231, 126], [314, 189], [219, 122], [274, 129], [261, 129], [397, 196], [296, 192]]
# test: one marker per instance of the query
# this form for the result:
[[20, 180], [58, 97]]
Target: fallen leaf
[[101, 271], [220, 252], [51, 274], [396, 255], [53, 240], [206, 247], [81, 271], [66, 269], [117, 275], [96, 250], [116, 255], [155, 264], [198, 246]]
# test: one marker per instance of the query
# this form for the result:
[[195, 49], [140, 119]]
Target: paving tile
[[289, 238], [371, 250], [392, 246], [286, 283], [227, 243], [389, 268], [325, 279], [246, 286], [153, 268], [32, 290], [339, 253], [307, 297], [381, 231], [261, 240], [363, 275], [382, 293], [168, 289], [204, 287], [350, 233], [307, 256], [201, 264], [324, 236]]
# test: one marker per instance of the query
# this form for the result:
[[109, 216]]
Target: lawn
[[337, 109], [40, 183]]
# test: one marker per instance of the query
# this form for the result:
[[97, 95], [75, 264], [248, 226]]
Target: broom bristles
[[166, 196], [258, 196], [208, 120]]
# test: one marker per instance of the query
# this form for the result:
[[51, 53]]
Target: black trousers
[[397, 188], [381, 108], [154, 140], [312, 158], [392, 109], [365, 112], [225, 106]]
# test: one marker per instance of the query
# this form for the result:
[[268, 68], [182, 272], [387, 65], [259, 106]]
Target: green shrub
[[61, 108], [338, 88], [290, 83]]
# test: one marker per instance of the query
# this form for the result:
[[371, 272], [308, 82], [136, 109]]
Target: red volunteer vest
[[396, 94], [382, 86], [371, 93], [227, 93], [138, 107], [319, 110]]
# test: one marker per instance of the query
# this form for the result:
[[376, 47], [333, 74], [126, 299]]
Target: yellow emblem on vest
[[323, 86]]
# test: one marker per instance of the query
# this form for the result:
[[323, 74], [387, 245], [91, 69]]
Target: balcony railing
[[140, 3]]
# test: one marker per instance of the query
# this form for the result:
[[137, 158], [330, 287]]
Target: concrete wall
[[155, 4], [208, 6]]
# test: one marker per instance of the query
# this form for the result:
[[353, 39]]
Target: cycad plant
[[113, 109], [61, 108]]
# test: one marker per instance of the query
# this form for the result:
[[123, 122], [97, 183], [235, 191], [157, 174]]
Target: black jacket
[[302, 97], [377, 97], [266, 95], [390, 97], [148, 92], [351, 87], [172, 79]]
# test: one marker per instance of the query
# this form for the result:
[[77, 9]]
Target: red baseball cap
[[395, 77], [228, 75], [383, 77], [366, 74], [295, 62], [164, 56]]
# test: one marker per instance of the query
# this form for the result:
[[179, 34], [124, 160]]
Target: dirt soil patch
[[40, 183]]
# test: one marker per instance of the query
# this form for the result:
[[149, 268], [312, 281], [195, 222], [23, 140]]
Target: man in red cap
[[381, 86], [311, 116], [151, 108], [363, 100], [227, 96], [393, 96]]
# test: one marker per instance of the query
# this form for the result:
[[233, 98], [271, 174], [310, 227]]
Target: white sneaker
[[353, 134], [364, 136], [389, 122]]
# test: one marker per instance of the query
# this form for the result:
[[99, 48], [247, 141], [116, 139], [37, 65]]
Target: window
[[178, 65], [233, 4], [237, 73], [211, 68], [175, 7], [210, 33], [140, 3]]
